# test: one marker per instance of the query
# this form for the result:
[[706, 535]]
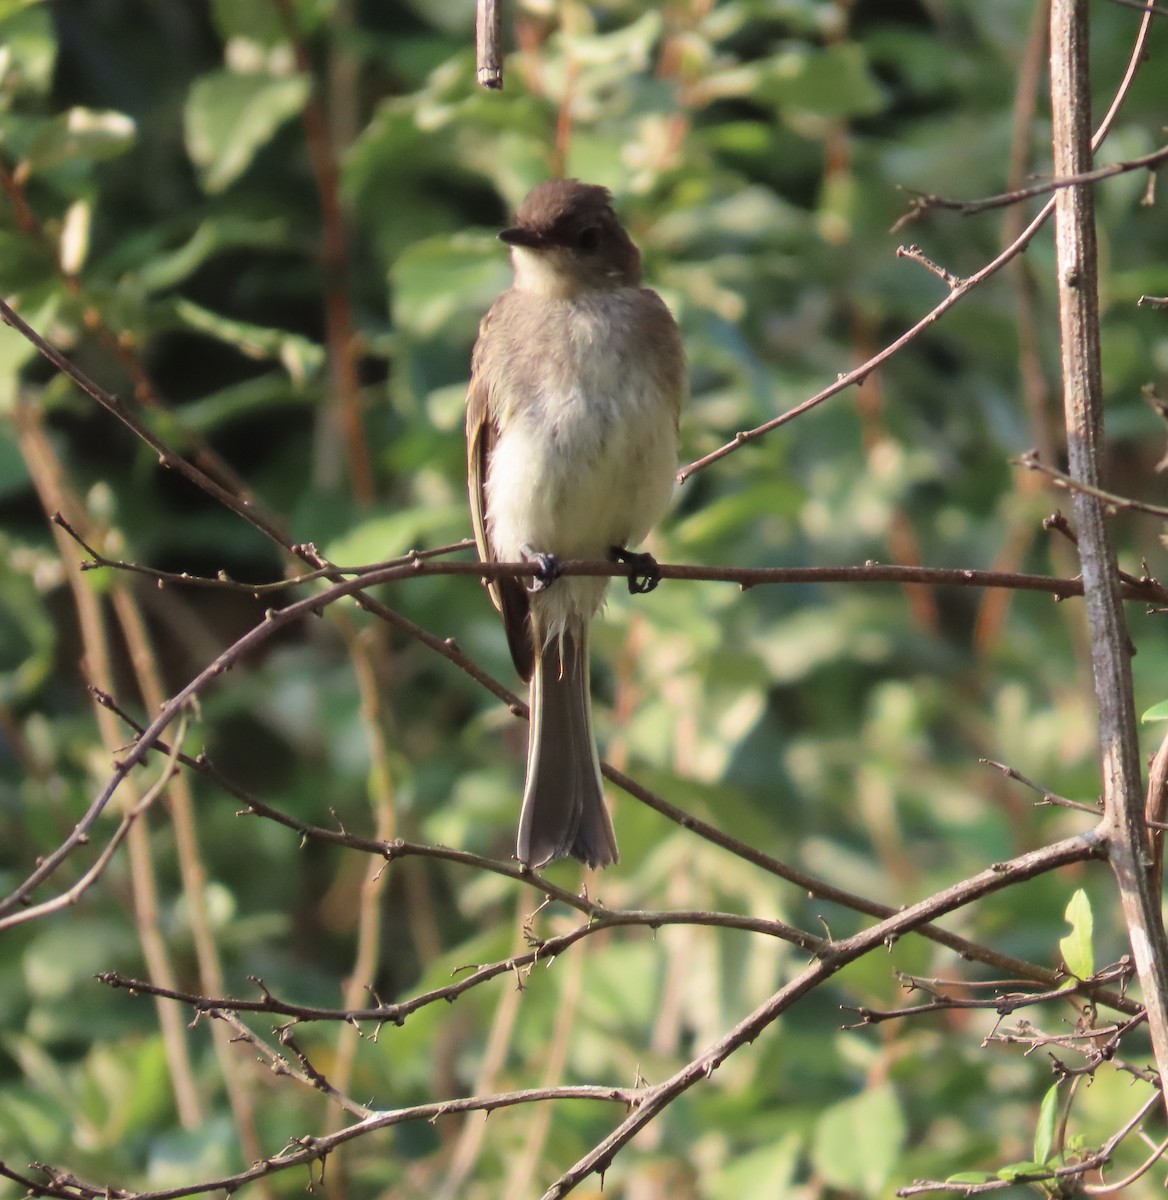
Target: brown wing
[[509, 595]]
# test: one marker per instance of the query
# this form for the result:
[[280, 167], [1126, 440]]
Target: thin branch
[[341, 339], [97, 560], [656, 1099], [1003, 1005], [1113, 502], [544, 950], [1109, 1189], [123, 346], [301, 1151], [421, 562], [1045, 797], [956, 294], [1074, 1171], [307, 1074], [73, 894], [167, 458], [966, 949], [924, 202]]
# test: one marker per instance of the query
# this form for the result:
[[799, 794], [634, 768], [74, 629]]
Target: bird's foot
[[644, 573], [549, 569]]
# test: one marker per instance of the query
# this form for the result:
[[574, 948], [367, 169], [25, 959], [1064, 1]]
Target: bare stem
[[1083, 403]]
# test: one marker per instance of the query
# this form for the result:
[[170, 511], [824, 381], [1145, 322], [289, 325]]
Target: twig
[[420, 562], [916, 254], [971, 951], [489, 43], [1046, 798], [1114, 502], [1003, 1005], [97, 561], [544, 950], [304, 1150], [956, 294], [1120, 1185], [922, 204], [658, 1098], [307, 1074], [88, 878]]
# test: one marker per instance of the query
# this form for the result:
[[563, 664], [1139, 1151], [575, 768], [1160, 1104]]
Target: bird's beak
[[530, 238]]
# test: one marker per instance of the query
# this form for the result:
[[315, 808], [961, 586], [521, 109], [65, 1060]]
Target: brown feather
[[508, 595]]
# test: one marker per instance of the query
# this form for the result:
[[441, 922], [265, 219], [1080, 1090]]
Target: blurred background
[[269, 227]]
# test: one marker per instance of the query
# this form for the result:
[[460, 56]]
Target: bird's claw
[[644, 571], [549, 569]]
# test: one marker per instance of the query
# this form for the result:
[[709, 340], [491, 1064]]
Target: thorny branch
[[830, 956]]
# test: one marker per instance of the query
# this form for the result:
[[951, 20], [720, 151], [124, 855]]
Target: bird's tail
[[563, 803]]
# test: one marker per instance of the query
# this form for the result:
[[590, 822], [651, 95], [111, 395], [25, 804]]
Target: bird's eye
[[589, 239]]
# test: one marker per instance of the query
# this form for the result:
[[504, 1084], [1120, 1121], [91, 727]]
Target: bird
[[578, 378]]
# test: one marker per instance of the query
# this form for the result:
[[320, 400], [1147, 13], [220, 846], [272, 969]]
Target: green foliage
[[760, 153], [1077, 948]]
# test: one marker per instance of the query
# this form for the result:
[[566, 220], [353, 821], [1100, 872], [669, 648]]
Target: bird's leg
[[550, 569], [644, 573]]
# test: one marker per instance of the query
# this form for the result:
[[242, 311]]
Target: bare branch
[[489, 43], [1123, 793], [658, 1098], [956, 294], [924, 203]]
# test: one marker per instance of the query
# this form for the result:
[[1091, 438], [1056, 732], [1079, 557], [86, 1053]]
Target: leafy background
[[760, 153]]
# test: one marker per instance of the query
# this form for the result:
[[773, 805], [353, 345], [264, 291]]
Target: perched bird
[[572, 441]]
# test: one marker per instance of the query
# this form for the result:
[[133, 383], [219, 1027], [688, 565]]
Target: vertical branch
[[1082, 400], [340, 336], [1037, 395], [489, 43], [365, 647], [234, 1068], [97, 669]]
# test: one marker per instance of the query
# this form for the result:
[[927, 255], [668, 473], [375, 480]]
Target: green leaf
[[261, 21], [445, 281], [390, 536], [28, 49], [1158, 712], [831, 83], [1047, 1124], [299, 355], [1077, 949], [230, 116], [79, 134], [759, 1174], [219, 234], [9, 8], [857, 1141], [1019, 1169]]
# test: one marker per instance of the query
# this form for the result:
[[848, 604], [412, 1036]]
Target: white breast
[[587, 459]]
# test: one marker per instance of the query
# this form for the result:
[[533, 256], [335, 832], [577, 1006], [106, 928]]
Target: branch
[[340, 337], [489, 43], [1083, 403], [924, 202], [656, 1099], [545, 950], [1076, 1170], [302, 1151], [1113, 502], [956, 293], [966, 949]]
